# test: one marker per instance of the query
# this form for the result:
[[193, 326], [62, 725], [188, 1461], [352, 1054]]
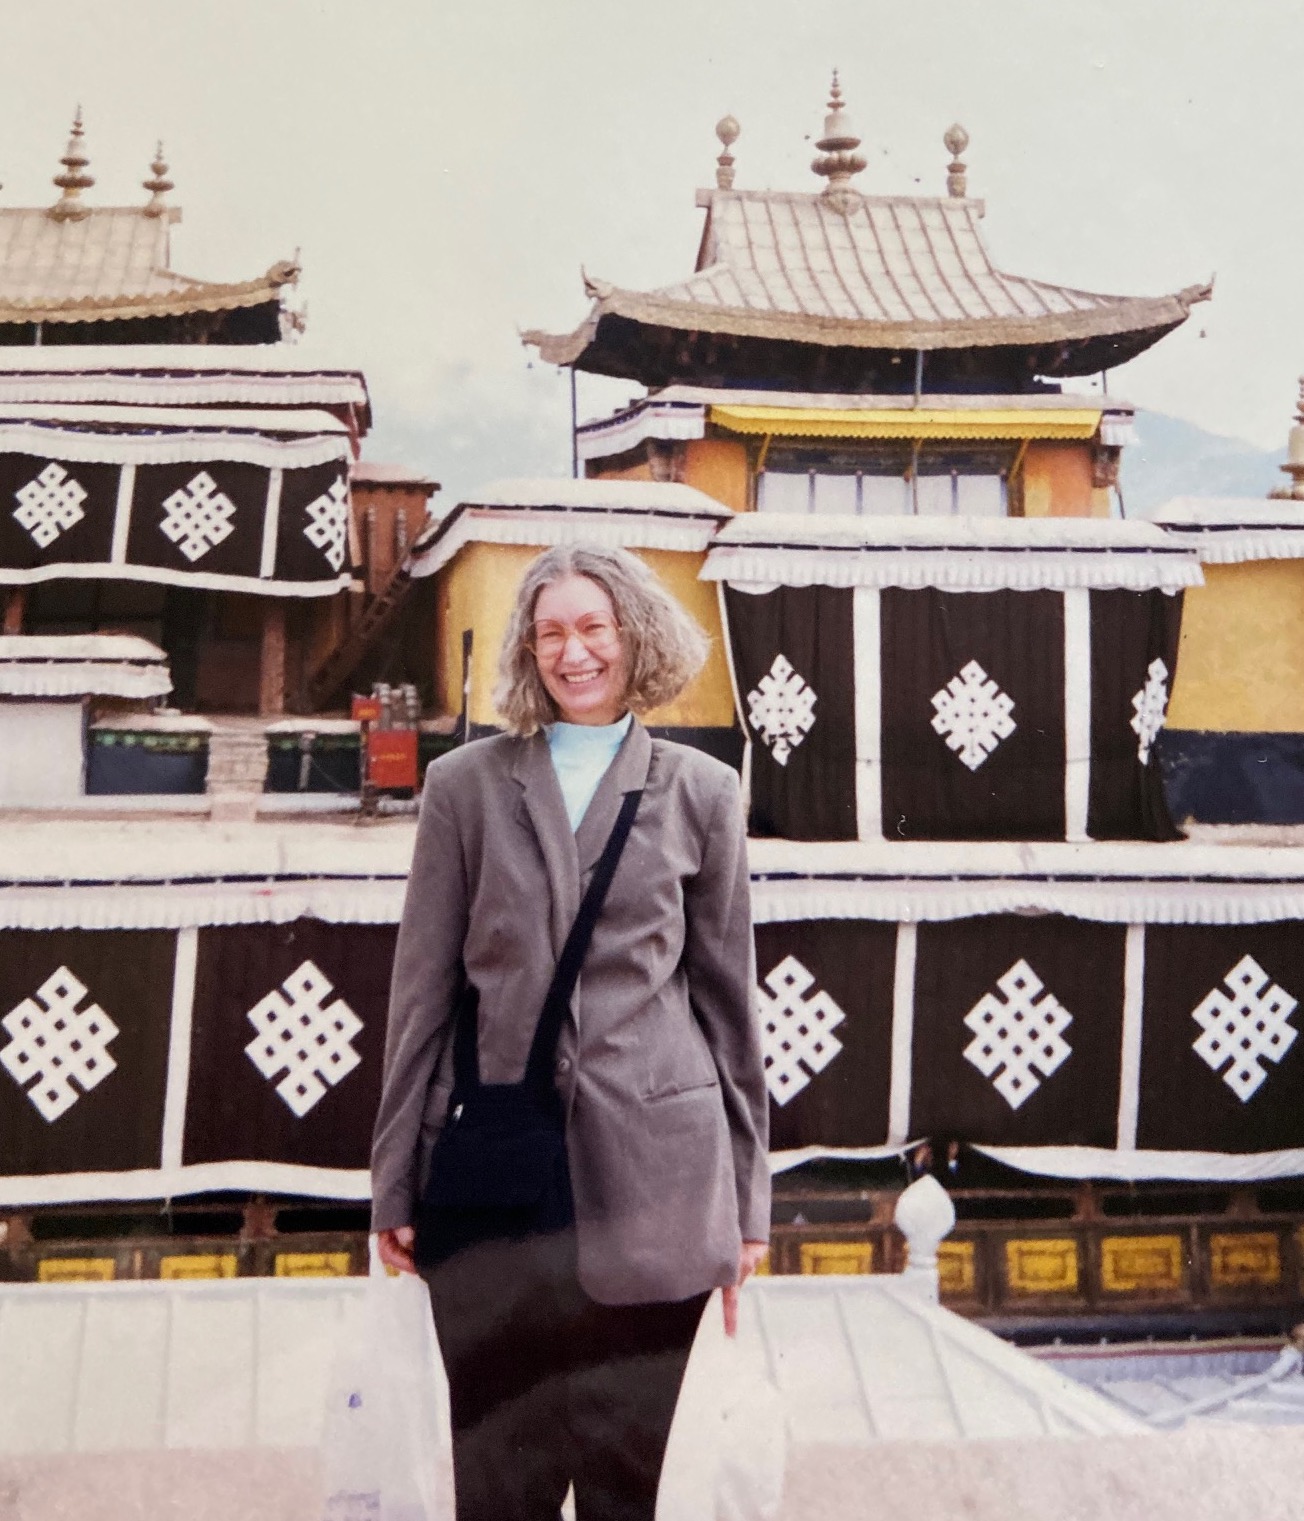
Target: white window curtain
[[947, 495], [884, 495], [933, 496], [981, 496], [779, 491], [836, 494]]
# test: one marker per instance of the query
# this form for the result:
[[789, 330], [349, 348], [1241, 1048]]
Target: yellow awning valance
[[910, 422]]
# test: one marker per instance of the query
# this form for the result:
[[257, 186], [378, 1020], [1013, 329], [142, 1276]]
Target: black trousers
[[549, 1388]]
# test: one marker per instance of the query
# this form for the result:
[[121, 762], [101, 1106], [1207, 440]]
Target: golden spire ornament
[[838, 159], [158, 185], [74, 179]]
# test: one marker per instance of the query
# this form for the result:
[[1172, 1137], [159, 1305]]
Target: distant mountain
[[1177, 458], [468, 442]]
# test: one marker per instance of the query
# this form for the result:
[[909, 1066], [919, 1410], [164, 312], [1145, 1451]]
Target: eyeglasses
[[597, 632]]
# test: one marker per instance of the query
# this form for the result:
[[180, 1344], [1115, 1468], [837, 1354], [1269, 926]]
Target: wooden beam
[[271, 671], [15, 606]]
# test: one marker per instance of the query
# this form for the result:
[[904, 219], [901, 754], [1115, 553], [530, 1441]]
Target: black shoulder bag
[[499, 1168]]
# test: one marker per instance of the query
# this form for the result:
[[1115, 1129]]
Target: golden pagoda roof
[[838, 269], [111, 263], [74, 262], [875, 272]]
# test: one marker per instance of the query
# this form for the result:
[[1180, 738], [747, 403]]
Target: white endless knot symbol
[[782, 709], [795, 1029], [972, 715], [1252, 1023], [198, 517], [57, 1043], [1148, 708], [329, 529], [1020, 1033], [49, 504], [303, 1036]]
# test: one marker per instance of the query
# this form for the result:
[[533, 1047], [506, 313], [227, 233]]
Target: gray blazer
[[660, 1064]]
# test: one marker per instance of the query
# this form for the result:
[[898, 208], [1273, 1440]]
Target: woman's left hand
[[749, 1259]]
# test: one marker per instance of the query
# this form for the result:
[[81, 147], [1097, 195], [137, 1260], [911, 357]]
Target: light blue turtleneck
[[581, 754]]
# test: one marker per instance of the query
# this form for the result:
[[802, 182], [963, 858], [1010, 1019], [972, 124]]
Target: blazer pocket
[[682, 1090]]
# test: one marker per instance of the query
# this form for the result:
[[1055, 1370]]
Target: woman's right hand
[[395, 1248]]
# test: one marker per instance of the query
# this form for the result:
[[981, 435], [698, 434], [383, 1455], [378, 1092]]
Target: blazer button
[[563, 1065]]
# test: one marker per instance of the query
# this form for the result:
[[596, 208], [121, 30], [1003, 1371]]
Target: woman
[[565, 1351]]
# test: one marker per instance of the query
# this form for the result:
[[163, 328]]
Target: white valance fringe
[[1130, 1166], [785, 1161], [961, 569], [380, 901], [84, 678], [173, 1182], [601, 440], [159, 575], [173, 448], [175, 390], [544, 529], [1237, 546], [181, 906], [1134, 902]]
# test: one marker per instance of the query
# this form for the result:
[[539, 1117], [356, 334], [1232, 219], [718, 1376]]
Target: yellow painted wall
[[1057, 482], [718, 466], [708, 701], [1240, 665], [477, 589]]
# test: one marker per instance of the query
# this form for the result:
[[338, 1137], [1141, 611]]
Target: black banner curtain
[[972, 715], [149, 1063], [795, 670], [939, 715], [248, 526], [1134, 638]]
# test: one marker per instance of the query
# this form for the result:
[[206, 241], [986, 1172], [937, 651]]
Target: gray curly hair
[[666, 648]]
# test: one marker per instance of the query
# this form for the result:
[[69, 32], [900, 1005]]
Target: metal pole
[[575, 440], [919, 375]]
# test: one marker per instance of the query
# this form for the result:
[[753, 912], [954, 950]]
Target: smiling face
[[588, 684]]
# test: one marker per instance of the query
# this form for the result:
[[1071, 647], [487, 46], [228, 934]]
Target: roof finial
[[1294, 466], [728, 131], [838, 159], [74, 178], [158, 185], [955, 140]]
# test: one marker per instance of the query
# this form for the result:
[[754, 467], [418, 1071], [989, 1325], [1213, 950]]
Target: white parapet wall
[[42, 753]]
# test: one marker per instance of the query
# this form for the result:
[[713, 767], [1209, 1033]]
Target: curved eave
[[197, 297], [1147, 318]]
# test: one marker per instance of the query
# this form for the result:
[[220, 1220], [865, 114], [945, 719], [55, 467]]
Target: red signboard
[[392, 758], [366, 710]]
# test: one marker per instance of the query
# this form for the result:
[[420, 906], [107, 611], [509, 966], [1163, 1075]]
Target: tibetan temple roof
[[839, 270], [71, 264]]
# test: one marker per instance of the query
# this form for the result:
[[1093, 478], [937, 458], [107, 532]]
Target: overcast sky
[[446, 168]]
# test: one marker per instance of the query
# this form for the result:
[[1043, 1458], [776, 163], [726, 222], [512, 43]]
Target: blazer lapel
[[627, 772], [546, 810]]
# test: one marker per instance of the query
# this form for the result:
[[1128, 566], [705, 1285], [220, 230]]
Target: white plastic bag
[[386, 1453], [727, 1453]]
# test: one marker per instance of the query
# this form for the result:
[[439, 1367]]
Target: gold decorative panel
[[198, 1265], [1045, 1266], [312, 1264], [1244, 1259], [957, 1269], [75, 1270], [1141, 1264], [837, 1256]]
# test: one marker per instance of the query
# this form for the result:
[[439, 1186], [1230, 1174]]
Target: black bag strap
[[543, 1048]]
